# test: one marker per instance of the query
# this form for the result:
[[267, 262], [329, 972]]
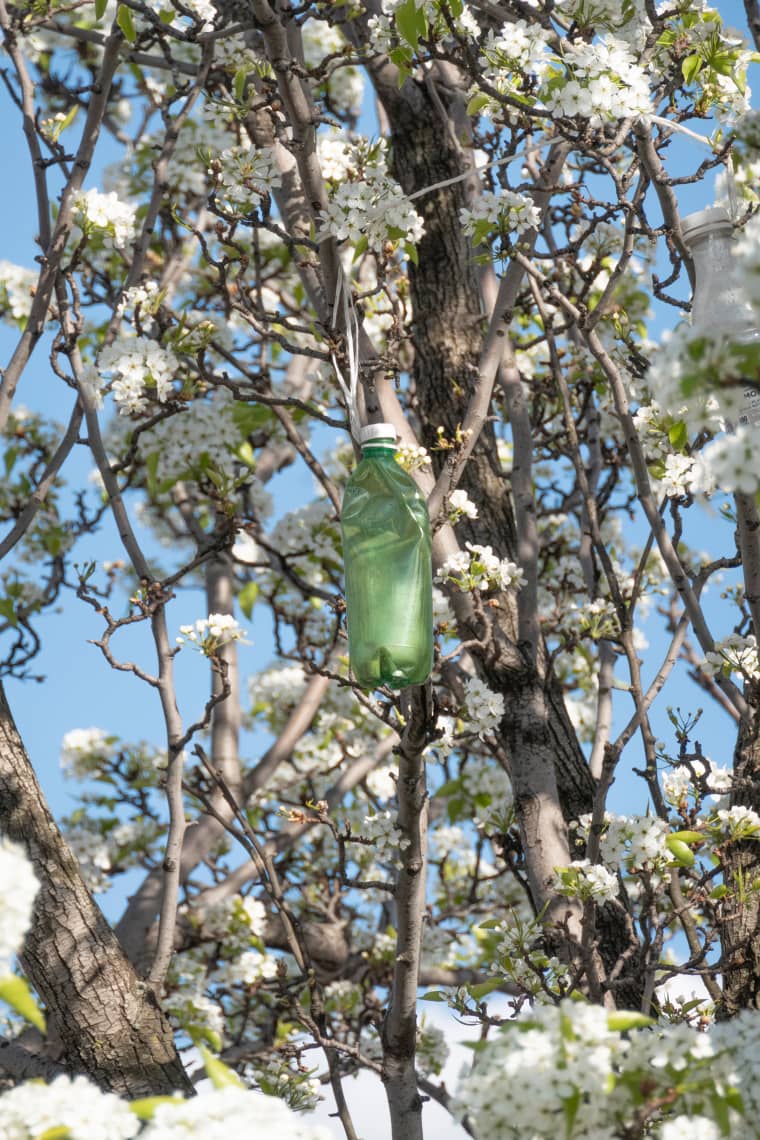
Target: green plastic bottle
[[387, 558]]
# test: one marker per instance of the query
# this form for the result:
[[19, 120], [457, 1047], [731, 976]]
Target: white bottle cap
[[377, 431], [713, 219]]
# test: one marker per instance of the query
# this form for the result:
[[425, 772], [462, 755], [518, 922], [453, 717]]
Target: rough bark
[[108, 1023], [545, 761], [400, 1025], [740, 927]]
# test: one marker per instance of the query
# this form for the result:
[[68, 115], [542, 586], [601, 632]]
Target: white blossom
[[140, 369], [83, 751], [106, 215], [20, 886], [382, 830], [507, 211], [226, 1112], [461, 506], [735, 653], [17, 288], [603, 82], [483, 707], [432, 1048], [478, 568], [737, 822], [374, 208], [244, 175], [677, 476], [690, 1128], [211, 633], [585, 880], [73, 1104]]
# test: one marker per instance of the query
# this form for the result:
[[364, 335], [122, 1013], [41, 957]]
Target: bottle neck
[[378, 447]]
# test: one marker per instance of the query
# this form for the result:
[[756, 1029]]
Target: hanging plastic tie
[[343, 304]]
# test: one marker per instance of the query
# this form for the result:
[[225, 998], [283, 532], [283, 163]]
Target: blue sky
[[80, 689]]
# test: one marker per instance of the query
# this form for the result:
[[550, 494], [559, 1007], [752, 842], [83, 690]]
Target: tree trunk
[[108, 1024], [740, 926], [550, 776]]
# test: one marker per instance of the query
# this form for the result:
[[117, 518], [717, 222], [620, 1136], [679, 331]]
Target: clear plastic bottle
[[719, 305], [388, 568]]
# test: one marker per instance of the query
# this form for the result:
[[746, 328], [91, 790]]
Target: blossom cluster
[[17, 286], [105, 216], [381, 829], [211, 633], [637, 843], [371, 209], [602, 82], [76, 1106], [461, 506], [84, 751], [245, 175], [733, 654], [20, 888], [576, 1063], [483, 707], [585, 880], [141, 370], [478, 568], [506, 212]]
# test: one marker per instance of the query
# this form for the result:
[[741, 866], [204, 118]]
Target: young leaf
[[126, 23], [15, 992], [481, 989], [624, 1020], [247, 598], [691, 67], [220, 1075], [680, 852], [147, 1105]]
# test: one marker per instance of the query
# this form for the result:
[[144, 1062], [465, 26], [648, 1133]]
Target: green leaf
[[435, 995], [721, 1113], [489, 924], [250, 417], [680, 852], [147, 1105], [100, 9], [691, 67], [15, 992], [220, 1075], [361, 247], [247, 598], [411, 252], [478, 101], [239, 83], [245, 454], [126, 23], [482, 989], [408, 23], [8, 611], [570, 1106], [624, 1020], [689, 836], [57, 1132], [678, 435]]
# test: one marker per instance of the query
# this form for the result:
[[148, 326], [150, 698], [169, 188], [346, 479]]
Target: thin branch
[[400, 1025]]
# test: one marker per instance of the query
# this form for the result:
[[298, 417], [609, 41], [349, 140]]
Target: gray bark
[[107, 1021]]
